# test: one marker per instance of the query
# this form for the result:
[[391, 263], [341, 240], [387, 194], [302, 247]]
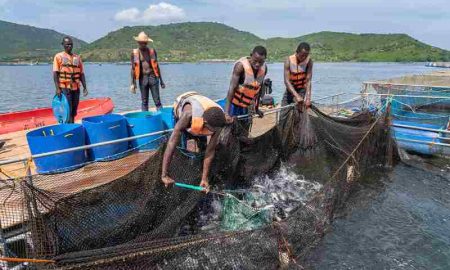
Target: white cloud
[[159, 13]]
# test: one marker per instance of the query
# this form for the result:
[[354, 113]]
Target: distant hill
[[332, 46], [195, 41], [175, 42], [25, 43], [204, 40]]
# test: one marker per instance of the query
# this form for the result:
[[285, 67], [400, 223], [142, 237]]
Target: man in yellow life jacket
[[196, 116], [298, 70], [145, 69], [68, 73], [246, 83]]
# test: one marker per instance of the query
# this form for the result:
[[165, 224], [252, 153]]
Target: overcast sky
[[426, 20]]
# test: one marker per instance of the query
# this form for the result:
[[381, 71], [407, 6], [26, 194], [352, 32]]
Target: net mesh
[[118, 215], [425, 104]]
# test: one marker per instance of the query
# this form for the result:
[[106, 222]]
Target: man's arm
[[234, 84], [133, 80], [56, 75], [83, 79], [309, 72], [163, 85], [56, 80], [209, 156], [181, 125], [288, 83], [258, 97]]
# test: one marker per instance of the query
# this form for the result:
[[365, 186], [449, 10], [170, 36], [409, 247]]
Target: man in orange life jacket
[[246, 83], [297, 77], [145, 68], [68, 72], [197, 116]]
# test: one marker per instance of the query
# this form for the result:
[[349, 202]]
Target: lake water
[[27, 87], [400, 222]]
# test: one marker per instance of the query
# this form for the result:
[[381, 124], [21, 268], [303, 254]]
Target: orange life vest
[[69, 72], [246, 93], [298, 71], [199, 105], [137, 62]]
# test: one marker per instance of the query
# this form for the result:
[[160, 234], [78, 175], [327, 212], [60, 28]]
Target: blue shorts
[[236, 110]]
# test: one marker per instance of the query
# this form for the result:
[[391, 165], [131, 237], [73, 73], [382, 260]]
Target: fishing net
[[134, 222], [422, 103]]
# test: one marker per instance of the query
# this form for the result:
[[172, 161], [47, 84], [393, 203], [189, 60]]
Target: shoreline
[[213, 61]]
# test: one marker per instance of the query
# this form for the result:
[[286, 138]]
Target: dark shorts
[[147, 84], [237, 111], [288, 98], [73, 97]]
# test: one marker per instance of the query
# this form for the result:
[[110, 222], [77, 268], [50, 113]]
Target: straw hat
[[142, 37]]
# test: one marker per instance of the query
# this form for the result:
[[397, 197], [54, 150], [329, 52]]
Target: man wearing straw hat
[[145, 69]]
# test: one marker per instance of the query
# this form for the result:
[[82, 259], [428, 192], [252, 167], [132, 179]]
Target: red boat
[[23, 120]]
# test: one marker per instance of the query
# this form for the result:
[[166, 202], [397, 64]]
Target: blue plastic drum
[[140, 123], [167, 117], [104, 128], [53, 138], [221, 102]]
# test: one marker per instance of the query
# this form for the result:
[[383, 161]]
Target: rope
[[360, 142], [25, 260]]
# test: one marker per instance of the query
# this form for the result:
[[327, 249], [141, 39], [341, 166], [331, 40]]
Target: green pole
[[198, 188]]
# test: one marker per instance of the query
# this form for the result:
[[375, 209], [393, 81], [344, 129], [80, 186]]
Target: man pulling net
[[197, 117]]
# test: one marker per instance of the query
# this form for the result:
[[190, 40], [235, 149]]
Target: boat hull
[[30, 119], [416, 139]]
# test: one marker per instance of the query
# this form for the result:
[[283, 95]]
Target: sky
[[425, 20]]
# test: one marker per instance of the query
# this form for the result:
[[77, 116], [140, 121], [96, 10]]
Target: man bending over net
[[196, 118]]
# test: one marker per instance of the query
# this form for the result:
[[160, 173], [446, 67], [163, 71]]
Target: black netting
[[134, 222]]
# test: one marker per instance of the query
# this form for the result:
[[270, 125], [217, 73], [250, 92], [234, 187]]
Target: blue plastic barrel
[[104, 128], [140, 123], [167, 117], [53, 138], [221, 102]]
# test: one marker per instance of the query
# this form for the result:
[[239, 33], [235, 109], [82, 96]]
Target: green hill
[[175, 42], [206, 41], [332, 46], [194, 41], [24, 43]]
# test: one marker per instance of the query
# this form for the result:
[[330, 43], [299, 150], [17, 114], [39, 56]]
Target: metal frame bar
[[422, 128], [422, 142], [403, 84]]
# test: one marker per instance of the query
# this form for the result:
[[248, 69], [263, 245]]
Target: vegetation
[[26, 43], [214, 41]]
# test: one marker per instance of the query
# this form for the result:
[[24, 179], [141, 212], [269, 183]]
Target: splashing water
[[285, 190], [270, 198]]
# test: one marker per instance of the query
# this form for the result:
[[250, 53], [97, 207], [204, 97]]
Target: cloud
[[159, 13]]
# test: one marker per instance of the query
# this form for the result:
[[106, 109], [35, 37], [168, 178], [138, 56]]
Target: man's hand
[[163, 85], [205, 185], [85, 91], [228, 119], [133, 88], [260, 113], [298, 99], [308, 103], [58, 91], [168, 181]]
